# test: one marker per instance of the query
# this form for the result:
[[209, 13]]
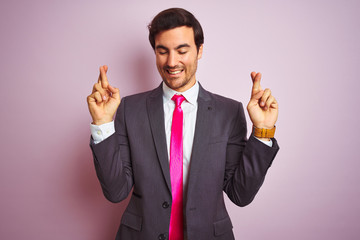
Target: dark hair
[[172, 18]]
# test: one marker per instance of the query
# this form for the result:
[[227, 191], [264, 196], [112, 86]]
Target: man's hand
[[262, 107], [104, 99]]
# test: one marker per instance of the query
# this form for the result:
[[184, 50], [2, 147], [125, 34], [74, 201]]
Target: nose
[[172, 60]]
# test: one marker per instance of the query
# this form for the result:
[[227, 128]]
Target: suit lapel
[[155, 110], [203, 125]]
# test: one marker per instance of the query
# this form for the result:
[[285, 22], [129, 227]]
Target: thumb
[[114, 91]]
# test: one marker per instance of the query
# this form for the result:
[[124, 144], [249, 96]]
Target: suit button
[[165, 205], [162, 237]]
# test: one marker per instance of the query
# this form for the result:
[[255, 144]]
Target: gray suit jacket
[[222, 159]]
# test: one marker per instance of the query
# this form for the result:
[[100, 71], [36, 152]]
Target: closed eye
[[161, 49]]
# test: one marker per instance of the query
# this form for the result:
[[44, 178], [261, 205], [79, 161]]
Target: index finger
[[103, 78], [256, 77]]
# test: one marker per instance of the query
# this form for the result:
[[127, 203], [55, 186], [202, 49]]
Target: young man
[[179, 146]]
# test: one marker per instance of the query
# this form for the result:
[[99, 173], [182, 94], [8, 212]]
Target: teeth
[[176, 72]]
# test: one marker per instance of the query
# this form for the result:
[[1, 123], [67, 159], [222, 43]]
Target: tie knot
[[178, 99]]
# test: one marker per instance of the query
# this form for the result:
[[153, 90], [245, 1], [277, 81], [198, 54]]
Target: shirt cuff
[[100, 132], [268, 143]]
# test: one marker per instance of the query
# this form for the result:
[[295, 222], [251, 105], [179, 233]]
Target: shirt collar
[[190, 95]]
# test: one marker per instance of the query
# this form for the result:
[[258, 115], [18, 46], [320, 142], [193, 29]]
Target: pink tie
[[176, 230]]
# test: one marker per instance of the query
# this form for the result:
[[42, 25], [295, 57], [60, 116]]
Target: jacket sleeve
[[247, 162], [113, 161]]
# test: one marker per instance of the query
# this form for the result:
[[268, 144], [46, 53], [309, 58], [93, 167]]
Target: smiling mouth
[[174, 72]]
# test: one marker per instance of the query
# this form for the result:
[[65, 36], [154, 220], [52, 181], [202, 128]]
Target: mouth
[[174, 72]]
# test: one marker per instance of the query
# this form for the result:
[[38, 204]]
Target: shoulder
[[225, 100], [140, 98], [219, 100], [225, 110], [135, 106]]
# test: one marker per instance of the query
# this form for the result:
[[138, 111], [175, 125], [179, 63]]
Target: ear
[[199, 55]]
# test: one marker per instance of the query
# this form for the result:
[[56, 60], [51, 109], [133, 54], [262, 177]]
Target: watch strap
[[263, 132]]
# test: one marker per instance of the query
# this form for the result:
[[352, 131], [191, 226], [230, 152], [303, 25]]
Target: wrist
[[263, 133], [101, 122]]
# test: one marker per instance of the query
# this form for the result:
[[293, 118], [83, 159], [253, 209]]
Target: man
[[179, 146]]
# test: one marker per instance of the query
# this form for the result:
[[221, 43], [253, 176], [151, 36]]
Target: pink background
[[308, 52]]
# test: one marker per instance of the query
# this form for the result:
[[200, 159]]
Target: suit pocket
[[222, 226], [132, 221]]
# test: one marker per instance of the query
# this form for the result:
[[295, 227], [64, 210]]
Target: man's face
[[177, 57]]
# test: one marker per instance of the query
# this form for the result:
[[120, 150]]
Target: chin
[[174, 84]]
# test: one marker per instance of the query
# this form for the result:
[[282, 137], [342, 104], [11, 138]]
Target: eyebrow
[[182, 46], [177, 48]]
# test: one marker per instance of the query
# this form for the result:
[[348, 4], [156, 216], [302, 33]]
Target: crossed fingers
[[101, 90], [264, 97], [267, 99]]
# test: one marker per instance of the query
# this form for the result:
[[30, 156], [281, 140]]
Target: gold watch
[[263, 132]]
